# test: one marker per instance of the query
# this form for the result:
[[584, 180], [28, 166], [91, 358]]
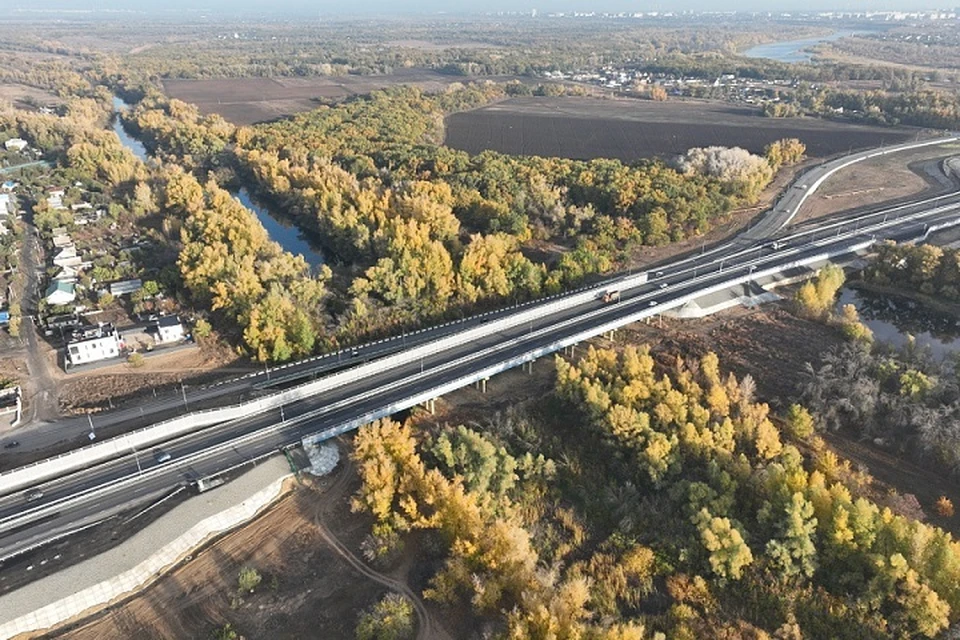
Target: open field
[[249, 100], [24, 97], [880, 180], [627, 129]]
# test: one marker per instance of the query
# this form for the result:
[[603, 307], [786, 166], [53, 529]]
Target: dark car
[[11, 444]]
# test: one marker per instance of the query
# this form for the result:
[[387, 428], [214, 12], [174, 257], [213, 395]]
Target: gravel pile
[[324, 456]]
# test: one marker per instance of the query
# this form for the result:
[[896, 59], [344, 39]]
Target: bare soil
[[250, 100], [111, 386], [24, 97], [314, 584], [878, 180], [626, 129]]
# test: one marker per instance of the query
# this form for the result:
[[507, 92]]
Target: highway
[[66, 433], [94, 493]]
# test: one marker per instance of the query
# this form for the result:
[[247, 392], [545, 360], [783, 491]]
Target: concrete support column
[[483, 385]]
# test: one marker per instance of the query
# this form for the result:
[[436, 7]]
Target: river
[[892, 319], [280, 229], [128, 141], [794, 50]]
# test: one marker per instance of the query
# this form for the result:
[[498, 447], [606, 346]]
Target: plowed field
[[583, 128]]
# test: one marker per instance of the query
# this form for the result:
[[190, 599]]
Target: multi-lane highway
[[87, 495]]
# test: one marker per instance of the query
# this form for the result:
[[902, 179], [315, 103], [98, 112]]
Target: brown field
[[628, 130], [22, 96], [250, 100]]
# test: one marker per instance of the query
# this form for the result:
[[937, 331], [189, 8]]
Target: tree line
[[681, 506]]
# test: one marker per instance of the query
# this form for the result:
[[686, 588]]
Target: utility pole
[[183, 391], [92, 435]]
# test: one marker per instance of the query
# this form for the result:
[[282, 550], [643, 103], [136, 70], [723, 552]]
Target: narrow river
[[281, 229]]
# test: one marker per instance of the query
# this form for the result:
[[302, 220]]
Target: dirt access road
[[314, 585], [41, 396]]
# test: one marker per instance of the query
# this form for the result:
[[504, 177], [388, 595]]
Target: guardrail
[[539, 352], [811, 188], [35, 473], [461, 381]]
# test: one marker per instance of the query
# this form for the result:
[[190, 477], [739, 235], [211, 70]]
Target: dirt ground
[[21, 96], [112, 386], [307, 547], [629, 129], [250, 100], [878, 180], [314, 585]]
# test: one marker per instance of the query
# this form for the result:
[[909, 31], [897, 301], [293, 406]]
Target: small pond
[[892, 319]]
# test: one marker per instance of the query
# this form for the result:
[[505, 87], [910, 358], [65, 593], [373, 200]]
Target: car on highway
[[664, 285], [32, 495], [653, 303], [161, 456], [11, 444]]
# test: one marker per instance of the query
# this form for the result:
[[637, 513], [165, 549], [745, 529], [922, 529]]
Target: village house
[[123, 287], [169, 329], [61, 239], [10, 406], [55, 197], [6, 204], [60, 292], [93, 344], [67, 256]]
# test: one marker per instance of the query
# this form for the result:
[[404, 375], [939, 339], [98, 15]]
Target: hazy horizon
[[387, 7]]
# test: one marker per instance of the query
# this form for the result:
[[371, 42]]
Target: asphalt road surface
[[99, 491]]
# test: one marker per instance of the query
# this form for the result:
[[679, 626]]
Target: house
[[60, 292], [123, 287], [55, 197], [9, 186], [67, 274], [61, 240], [15, 144], [169, 329], [93, 344], [66, 255], [11, 405], [6, 204]]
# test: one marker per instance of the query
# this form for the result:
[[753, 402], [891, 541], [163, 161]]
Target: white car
[[653, 303], [664, 285]]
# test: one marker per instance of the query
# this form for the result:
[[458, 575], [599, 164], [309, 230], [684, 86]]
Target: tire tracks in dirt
[[427, 627]]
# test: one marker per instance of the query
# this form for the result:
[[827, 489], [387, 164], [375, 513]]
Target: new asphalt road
[[101, 490]]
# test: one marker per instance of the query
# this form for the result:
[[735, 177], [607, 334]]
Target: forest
[[419, 231], [654, 495]]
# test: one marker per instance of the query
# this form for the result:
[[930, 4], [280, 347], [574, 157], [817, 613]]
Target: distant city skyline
[[338, 7]]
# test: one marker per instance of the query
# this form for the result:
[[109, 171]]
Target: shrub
[[248, 579], [944, 507], [389, 619]]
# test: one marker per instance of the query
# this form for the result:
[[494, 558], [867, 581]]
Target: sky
[[334, 7]]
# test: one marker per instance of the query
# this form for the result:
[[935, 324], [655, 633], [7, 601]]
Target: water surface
[[128, 140], [892, 319], [793, 50], [280, 230]]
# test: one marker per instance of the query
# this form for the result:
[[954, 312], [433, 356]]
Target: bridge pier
[[431, 405], [481, 384], [528, 367]]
